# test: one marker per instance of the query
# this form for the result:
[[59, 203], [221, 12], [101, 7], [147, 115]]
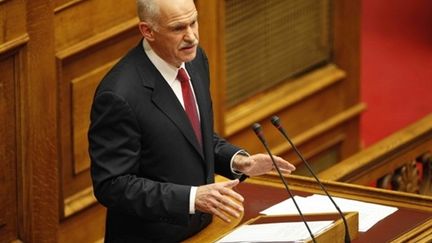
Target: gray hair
[[148, 10]]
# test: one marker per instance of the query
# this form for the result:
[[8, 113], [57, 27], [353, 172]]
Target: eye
[[178, 28]]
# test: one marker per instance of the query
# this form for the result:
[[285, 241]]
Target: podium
[[334, 234], [216, 229], [412, 222]]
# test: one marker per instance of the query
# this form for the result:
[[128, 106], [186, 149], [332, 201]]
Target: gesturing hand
[[259, 164], [219, 199]]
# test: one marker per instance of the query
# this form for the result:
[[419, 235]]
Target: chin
[[190, 57]]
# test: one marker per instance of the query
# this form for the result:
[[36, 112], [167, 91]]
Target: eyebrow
[[183, 23]]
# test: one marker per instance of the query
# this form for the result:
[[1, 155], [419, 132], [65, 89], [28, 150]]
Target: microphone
[[258, 131], [276, 122]]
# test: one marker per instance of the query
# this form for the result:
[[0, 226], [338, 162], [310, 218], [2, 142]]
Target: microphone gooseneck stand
[[258, 131], [276, 122]]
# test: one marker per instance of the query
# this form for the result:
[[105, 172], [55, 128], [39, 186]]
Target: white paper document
[[369, 213], [275, 232]]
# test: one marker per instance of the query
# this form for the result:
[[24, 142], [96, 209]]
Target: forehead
[[174, 12]]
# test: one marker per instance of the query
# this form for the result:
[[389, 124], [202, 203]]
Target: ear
[[146, 30]]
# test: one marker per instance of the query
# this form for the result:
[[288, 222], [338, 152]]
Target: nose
[[189, 35]]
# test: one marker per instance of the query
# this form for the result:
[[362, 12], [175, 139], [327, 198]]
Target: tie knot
[[182, 75]]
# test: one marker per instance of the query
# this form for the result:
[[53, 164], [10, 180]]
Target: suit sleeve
[[223, 150], [114, 148]]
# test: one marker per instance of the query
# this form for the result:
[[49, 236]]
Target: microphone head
[[257, 128], [275, 121]]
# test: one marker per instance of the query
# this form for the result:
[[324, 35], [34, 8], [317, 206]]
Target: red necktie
[[189, 103]]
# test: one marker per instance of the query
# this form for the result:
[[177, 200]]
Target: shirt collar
[[168, 71]]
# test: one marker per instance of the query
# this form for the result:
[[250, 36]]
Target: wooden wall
[[319, 109], [28, 165], [90, 36], [54, 53]]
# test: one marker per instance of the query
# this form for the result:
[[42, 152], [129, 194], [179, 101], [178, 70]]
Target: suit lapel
[[164, 98]]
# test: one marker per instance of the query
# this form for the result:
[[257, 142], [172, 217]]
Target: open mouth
[[188, 47]]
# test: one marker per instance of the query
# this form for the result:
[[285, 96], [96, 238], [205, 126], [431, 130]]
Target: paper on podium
[[369, 213], [275, 232]]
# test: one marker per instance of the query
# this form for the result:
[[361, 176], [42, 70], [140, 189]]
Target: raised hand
[[259, 164]]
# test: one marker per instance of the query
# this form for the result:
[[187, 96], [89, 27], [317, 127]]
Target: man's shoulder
[[127, 65], [200, 58], [201, 53], [124, 76]]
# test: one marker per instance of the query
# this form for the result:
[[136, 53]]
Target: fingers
[[220, 200], [227, 196], [224, 208], [226, 190], [222, 211], [229, 184], [284, 165], [284, 171]]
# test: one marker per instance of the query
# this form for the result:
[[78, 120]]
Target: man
[[152, 146]]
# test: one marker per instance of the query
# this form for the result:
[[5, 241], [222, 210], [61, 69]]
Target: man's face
[[175, 36]]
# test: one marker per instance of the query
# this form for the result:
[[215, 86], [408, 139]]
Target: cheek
[[176, 43]]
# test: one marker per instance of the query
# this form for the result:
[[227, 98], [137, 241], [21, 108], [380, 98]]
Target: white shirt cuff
[[192, 196], [232, 161]]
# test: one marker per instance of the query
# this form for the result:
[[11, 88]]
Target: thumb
[[231, 183]]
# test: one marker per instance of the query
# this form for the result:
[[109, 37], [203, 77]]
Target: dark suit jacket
[[144, 155]]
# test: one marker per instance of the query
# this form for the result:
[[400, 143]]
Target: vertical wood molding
[[212, 39], [346, 45], [39, 138], [23, 210], [8, 146]]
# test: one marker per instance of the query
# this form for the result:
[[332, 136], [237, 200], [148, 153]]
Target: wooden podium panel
[[334, 234], [215, 230]]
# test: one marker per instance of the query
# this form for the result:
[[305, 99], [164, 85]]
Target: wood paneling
[[80, 69], [290, 94], [294, 36], [319, 96], [307, 128], [86, 19], [13, 37], [83, 89], [60, 5], [90, 37], [39, 122], [346, 46], [211, 27], [87, 226], [385, 156], [8, 149], [12, 20]]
